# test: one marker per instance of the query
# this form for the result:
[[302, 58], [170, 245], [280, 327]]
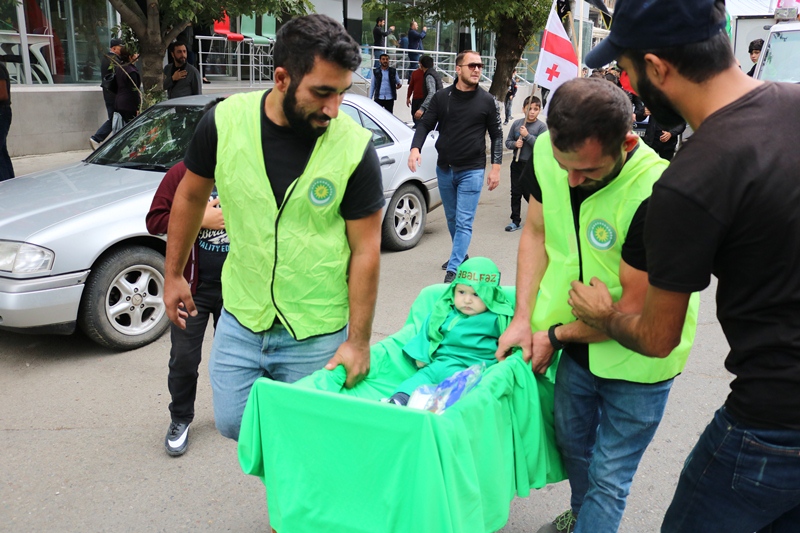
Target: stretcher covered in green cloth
[[338, 460]]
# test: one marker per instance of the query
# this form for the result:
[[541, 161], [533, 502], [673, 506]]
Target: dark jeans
[[416, 103], [508, 108], [516, 190], [187, 349], [388, 105], [738, 479], [105, 128], [6, 168]]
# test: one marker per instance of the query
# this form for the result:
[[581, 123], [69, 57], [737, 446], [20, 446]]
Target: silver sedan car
[[74, 250]]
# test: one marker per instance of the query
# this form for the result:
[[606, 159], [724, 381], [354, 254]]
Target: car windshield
[[156, 140], [782, 59]]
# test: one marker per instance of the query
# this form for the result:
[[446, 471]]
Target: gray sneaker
[[177, 439], [564, 523]]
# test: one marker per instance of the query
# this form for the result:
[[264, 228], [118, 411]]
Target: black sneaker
[[177, 438], [450, 276], [444, 265]]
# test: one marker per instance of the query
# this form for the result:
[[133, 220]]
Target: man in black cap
[[106, 66], [728, 206]]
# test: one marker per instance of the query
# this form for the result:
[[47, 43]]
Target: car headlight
[[24, 258]]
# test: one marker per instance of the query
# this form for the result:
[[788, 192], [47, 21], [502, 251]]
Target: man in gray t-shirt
[[521, 138], [181, 78]]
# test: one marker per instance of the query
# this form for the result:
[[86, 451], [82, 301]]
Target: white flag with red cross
[[557, 60]]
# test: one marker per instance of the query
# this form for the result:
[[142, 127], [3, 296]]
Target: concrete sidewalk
[[34, 163]]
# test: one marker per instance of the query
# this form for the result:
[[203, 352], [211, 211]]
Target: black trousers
[[516, 189], [388, 105], [187, 350]]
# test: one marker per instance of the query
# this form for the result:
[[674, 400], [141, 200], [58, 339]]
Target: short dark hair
[[426, 61], [531, 100], [696, 62], [302, 40], [175, 44], [589, 108], [757, 44], [379, 20], [460, 56], [383, 55]]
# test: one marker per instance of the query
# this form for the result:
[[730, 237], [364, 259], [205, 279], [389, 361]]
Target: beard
[[298, 120], [179, 61], [467, 80], [657, 102], [596, 185]]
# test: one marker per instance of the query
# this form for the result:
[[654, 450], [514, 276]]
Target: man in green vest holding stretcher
[[302, 190], [593, 178]]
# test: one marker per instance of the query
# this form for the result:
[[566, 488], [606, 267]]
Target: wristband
[[551, 334]]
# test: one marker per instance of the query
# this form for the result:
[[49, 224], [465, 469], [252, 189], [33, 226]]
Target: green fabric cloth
[[338, 460]]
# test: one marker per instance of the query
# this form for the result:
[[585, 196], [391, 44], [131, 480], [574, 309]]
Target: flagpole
[[580, 37]]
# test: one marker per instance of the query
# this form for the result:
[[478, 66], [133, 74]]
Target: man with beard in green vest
[[593, 178], [301, 186]]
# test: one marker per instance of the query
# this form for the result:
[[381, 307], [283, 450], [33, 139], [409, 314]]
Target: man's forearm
[[531, 265], [362, 293], [186, 218]]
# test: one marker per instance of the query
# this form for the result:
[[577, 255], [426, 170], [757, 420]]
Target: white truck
[[780, 58]]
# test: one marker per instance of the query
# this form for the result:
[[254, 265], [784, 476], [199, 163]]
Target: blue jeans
[[738, 479], [6, 167], [239, 357], [460, 190], [105, 128], [603, 427]]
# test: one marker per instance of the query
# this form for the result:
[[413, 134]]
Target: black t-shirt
[[213, 247], [729, 205], [633, 249], [285, 157]]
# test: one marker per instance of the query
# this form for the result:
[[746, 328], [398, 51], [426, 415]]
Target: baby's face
[[467, 301]]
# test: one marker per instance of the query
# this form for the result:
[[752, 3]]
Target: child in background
[[461, 330], [521, 138]]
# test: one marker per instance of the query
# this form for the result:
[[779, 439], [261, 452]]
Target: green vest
[[289, 262], [604, 221]]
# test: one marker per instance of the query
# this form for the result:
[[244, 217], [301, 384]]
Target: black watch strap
[[551, 334]]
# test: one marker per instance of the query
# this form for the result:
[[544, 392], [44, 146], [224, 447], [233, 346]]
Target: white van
[[780, 58]]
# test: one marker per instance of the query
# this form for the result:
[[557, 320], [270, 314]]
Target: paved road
[[82, 428]]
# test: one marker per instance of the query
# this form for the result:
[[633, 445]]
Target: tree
[[157, 23], [514, 22]]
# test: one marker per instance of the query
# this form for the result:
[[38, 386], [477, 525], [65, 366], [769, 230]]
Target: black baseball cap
[[115, 42], [648, 24]]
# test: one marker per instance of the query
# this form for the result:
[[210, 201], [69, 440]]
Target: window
[[379, 137]]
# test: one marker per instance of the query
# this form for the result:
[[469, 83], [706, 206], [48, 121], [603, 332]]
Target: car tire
[[404, 222], [133, 275]]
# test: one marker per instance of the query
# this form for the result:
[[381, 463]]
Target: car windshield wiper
[[142, 166]]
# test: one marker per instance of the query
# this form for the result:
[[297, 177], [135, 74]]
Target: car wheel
[[122, 305], [404, 222]]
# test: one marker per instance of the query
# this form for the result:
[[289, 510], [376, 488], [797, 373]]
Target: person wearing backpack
[[109, 95]]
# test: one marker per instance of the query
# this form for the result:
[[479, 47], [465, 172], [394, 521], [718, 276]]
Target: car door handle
[[386, 161]]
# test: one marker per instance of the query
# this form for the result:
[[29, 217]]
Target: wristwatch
[[551, 334]]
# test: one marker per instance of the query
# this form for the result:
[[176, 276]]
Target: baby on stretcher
[[461, 330]]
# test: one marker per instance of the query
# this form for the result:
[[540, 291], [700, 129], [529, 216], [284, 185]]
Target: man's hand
[[414, 159], [398, 85], [179, 75], [493, 178], [523, 131], [542, 352], [212, 218], [518, 333], [355, 359], [665, 136], [178, 300], [425, 28], [519, 143], [418, 114], [591, 303], [408, 102]]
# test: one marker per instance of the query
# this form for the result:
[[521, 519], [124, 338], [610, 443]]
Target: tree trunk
[[512, 38]]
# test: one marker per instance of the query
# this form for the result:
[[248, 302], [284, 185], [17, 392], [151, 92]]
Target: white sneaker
[[94, 144]]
